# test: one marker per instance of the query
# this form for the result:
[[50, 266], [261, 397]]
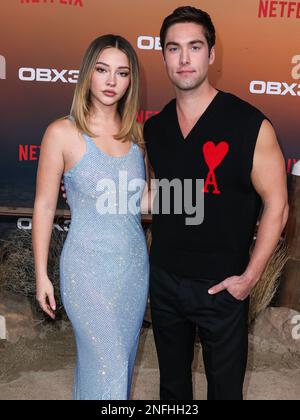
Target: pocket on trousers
[[230, 297]]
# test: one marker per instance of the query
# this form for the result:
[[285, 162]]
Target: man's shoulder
[[242, 107], [159, 119]]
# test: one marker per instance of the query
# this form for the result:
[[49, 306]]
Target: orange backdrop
[[258, 58]]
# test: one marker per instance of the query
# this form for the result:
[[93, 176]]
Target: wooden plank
[[12, 211], [24, 211], [27, 212]]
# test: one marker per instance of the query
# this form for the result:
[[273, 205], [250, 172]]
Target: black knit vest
[[219, 150]]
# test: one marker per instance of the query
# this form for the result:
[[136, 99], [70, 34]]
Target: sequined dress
[[104, 271]]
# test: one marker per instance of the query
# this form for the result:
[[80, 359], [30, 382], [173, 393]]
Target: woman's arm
[[50, 170]]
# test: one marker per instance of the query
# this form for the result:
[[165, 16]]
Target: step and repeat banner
[[42, 43]]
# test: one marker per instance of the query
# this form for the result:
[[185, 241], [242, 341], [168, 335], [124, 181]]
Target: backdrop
[[43, 41]]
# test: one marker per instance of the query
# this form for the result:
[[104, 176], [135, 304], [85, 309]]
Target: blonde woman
[[104, 263]]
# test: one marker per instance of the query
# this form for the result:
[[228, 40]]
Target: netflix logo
[[279, 9], [144, 115], [59, 2], [29, 152]]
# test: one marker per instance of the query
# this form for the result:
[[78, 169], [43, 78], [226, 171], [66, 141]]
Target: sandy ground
[[42, 369]]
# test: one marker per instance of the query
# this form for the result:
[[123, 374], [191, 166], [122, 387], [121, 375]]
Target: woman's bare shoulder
[[61, 128], [60, 132]]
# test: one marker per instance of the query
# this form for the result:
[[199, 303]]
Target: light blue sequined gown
[[104, 274]]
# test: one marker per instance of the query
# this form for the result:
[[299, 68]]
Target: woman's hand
[[63, 190], [45, 296]]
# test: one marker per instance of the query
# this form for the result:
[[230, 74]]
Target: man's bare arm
[[269, 180]]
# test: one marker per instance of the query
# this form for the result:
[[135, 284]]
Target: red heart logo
[[214, 155]]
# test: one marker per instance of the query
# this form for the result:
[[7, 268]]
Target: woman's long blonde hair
[[128, 105]]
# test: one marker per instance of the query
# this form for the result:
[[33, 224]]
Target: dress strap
[[87, 138]]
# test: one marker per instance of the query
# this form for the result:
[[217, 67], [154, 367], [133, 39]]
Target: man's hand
[[63, 190], [238, 286]]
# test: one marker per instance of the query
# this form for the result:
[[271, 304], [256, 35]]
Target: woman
[[104, 263]]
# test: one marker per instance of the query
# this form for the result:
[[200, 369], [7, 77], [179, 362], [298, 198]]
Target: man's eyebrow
[[195, 41], [172, 43]]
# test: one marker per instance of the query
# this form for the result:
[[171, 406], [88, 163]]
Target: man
[[202, 275]]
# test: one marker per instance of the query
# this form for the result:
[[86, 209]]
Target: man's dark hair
[[189, 14]]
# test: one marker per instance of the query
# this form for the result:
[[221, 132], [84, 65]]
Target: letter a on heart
[[214, 156]]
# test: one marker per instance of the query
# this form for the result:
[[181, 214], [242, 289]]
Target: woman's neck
[[101, 115]]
